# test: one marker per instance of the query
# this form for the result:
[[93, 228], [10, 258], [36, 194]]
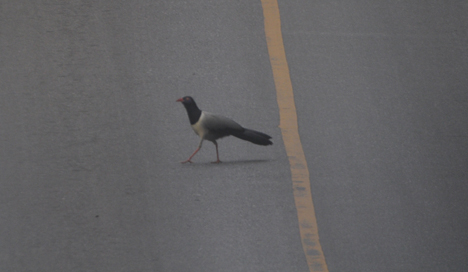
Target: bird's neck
[[193, 112]]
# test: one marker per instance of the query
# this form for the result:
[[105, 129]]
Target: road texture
[[91, 136], [381, 92]]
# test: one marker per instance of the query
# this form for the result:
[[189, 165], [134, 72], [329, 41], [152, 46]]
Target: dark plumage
[[211, 127]]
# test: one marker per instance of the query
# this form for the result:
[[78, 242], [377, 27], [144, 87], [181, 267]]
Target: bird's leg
[[217, 154], [189, 159]]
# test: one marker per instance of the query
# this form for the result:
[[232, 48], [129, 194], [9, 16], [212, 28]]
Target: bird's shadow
[[239, 162]]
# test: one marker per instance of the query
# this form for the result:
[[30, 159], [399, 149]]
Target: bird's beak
[[179, 100]]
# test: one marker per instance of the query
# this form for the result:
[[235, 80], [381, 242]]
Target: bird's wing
[[220, 124]]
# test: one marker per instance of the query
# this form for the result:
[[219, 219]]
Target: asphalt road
[[91, 136], [382, 95]]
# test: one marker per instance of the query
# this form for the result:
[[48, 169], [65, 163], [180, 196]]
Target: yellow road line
[[289, 129]]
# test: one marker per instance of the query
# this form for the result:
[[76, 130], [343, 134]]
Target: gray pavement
[[91, 136], [381, 91]]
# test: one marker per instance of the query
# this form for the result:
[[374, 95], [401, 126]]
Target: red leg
[[199, 146], [189, 159], [217, 154]]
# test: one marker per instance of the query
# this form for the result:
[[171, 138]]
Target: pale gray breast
[[199, 129]]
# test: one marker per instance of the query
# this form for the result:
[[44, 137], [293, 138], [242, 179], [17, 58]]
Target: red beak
[[179, 100]]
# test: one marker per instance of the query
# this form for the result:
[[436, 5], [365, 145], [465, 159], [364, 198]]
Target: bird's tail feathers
[[254, 137]]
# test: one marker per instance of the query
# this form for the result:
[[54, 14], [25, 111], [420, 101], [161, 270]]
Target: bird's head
[[186, 100], [193, 111]]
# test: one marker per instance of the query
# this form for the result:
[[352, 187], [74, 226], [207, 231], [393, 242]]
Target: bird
[[211, 127]]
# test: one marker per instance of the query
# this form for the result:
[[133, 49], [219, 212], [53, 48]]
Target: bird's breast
[[198, 127]]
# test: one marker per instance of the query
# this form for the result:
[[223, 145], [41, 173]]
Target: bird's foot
[[186, 161], [218, 161]]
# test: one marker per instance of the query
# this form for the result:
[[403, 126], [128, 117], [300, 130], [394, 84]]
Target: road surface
[[91, 136]]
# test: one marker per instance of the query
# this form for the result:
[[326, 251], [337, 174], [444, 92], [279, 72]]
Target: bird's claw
[[218, 161], [186, 161]]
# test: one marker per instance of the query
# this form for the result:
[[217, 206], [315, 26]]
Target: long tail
[[254, 137]]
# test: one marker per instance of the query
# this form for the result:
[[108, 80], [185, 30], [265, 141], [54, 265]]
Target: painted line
[[288, 124]]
